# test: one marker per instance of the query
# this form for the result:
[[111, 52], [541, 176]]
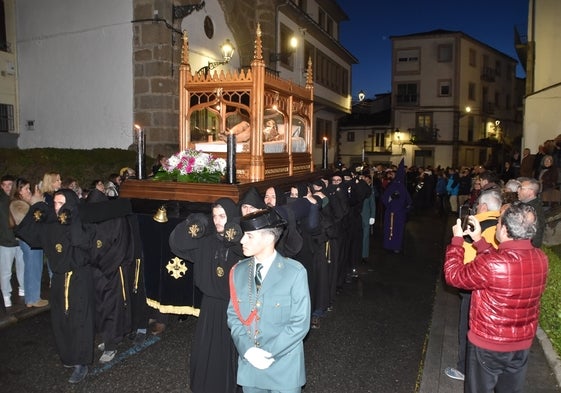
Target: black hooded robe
[[68, 247], [214, 358], [112, 271]]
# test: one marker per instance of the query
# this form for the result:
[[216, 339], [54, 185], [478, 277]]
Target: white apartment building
[[454, 101], [538, 51]]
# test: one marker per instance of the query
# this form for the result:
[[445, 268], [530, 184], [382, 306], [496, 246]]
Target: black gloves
[[40, 212], [197, 225], [64, 216], [232, 232]]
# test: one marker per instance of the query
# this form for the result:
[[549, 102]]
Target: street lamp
[[292, 45], [397, 135], [361, 95], [227, 50]]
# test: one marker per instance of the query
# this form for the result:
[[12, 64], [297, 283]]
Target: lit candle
[[231, 157], [324, 159], [140, 150], [363, 154]]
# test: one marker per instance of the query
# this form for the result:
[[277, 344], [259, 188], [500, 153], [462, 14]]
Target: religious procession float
[[254, 123]]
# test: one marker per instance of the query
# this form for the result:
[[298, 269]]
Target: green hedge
[[550, 315], [83, 165]]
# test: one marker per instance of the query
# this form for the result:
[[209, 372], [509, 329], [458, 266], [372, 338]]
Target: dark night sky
[[372, 22]]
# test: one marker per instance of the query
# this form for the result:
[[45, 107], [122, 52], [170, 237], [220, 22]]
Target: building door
[[469, 157], [424, 158]]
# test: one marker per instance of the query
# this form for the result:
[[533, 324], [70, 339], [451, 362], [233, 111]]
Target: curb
[[7, 321], [550, 354], [26, 312]]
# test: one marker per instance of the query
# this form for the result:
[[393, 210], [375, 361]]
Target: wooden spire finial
[[309, 73], [258, 54], [185, 49]]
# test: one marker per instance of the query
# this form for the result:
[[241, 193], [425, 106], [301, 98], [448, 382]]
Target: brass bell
[[161, 215]]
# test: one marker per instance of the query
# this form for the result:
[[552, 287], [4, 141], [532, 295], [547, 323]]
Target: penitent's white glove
[[259, 358], [372, 221]]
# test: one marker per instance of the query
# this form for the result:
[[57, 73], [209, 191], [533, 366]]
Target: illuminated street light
[[227, 50]]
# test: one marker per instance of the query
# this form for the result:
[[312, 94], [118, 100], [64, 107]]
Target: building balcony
[[423, 134], [407, 99]]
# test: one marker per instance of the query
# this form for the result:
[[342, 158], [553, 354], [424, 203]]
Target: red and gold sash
[[236, 304]]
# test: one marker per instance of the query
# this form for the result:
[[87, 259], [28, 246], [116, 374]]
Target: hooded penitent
[[252, 197]]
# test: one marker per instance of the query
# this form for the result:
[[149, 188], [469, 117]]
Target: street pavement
[[393, 329]]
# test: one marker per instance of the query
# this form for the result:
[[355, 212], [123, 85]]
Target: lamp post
[[227, 50]]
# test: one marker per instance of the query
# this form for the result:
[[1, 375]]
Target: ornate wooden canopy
[[213, 103]]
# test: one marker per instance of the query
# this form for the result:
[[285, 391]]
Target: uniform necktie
[[258, 277]]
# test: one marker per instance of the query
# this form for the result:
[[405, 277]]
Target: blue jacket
[[441, 186], [453, 185]]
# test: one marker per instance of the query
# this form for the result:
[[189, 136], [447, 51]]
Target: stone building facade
[[157, 51]]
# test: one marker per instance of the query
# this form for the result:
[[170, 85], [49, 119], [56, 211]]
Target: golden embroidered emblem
[[58, 247], [99, 243], [63, 218], [230, 234], [176, 267], [220, 271], [193, 230], [37, 215]]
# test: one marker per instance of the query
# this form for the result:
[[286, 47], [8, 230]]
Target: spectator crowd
[[88, 240]]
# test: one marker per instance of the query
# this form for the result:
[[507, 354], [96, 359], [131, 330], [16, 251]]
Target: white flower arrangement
[[192, 166]]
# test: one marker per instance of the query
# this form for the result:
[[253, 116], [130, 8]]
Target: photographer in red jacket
[[507, 285]]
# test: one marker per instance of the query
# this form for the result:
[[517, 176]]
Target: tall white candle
[[140, 152]]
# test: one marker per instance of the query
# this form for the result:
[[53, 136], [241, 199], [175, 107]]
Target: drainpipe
[[277, 30]]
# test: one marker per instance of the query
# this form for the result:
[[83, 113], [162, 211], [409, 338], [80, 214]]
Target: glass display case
[[270, 117]]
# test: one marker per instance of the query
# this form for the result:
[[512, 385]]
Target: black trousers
[[498, 372], [463, 327]]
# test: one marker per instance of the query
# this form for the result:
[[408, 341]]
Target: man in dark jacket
[[528, 193], [507, 286], [9, 247], [527, 164]]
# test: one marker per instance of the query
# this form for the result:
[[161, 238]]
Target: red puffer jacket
[[507, 285]]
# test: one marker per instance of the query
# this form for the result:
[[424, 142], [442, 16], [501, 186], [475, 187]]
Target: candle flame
[[324, 138], [137, 127]]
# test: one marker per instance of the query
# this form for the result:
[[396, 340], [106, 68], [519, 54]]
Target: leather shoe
[[157, 328], [139, 339], [80, 372], [38, 303]]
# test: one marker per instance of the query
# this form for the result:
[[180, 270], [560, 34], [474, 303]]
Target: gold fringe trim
[[136, 275], [67, 276], [123, 284], [169, 309]]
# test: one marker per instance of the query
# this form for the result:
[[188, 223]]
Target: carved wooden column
[[256, 164]]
